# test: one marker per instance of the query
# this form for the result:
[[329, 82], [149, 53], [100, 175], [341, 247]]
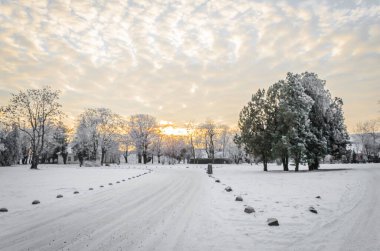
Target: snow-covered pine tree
[[256, 135], [280, 121], [327, 130], [296, 106]]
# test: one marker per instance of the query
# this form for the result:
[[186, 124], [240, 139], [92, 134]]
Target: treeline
[[295, 119], [110, 132], [366, 142], [32, 132]]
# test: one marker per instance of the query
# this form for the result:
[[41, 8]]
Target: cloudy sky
[[188, 60]]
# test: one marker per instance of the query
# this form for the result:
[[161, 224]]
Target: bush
[[91, 164], [208, 161]]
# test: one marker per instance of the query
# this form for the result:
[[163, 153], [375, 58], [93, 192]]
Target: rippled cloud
[[188, 60]]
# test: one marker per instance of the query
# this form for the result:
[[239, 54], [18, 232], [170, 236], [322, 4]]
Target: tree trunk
[[80, 157], [287, 163], [310, 165], [314, 164], [158, 156], [144, 157], [126, 156], [102, 157], [34, 161], [265, 162], [297, 163], [64, 157], [139, 158], [265, 166]]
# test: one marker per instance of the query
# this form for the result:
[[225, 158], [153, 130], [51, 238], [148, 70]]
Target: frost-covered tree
[[174, 147], [297, 119], [294, 110], [191, 138], [224, 139], [279, 121], [125, 139], [9, 145], [327, 129], [338, 137], [142, 130], [157, 146], [235, 149], [368, 135], [97, 131], [31, 111], [254, 124], [61, 138], [208, 130]]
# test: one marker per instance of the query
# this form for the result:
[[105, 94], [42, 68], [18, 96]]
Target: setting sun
[[171, 130]]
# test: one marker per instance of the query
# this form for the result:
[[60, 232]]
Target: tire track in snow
[[145, 214]]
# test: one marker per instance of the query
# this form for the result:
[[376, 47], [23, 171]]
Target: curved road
[[164, 210]]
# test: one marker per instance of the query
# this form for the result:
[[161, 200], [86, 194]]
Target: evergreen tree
[[297, 119], [295, 107], [255, 131], [279, 122]]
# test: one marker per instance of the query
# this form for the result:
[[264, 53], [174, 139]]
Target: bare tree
[[60, 139], [31, 111], [125, 139], [191, 136], [368, 136], [174, 147], [224, 138], [97, 129], [157, 146], [208, 131], [142, 130]]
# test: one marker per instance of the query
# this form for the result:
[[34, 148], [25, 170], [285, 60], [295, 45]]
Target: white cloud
[[142, 56]]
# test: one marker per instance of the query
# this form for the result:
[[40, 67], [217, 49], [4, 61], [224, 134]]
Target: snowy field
[[180, 208], [19, 186]]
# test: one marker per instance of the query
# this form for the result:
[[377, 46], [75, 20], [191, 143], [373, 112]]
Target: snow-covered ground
[[179, 208], [19, 185]]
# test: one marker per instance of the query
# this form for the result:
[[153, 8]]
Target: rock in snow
[[35, 202], [249, 210], [273, 222], [59, 196], [3, 210], [318, 197], [91, 188], [218, 181], [313, 210], [117, 181], [76, 192], [228, 189], [239, 198]]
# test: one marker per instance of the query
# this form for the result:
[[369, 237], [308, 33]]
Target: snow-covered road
[[163, 210]]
